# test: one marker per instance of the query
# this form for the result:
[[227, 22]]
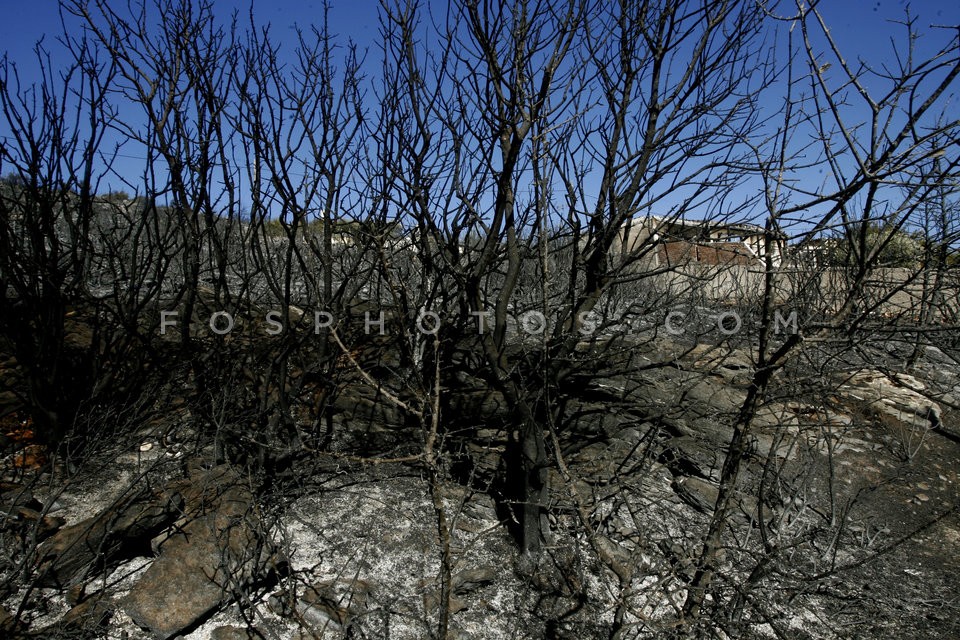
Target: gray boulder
[[217, 550], [113, 535]]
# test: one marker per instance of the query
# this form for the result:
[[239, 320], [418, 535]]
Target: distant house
[[816, 252], [675, 241]]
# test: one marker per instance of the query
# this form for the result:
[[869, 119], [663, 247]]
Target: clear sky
[[24, 23], [863, 28], [863, 25]]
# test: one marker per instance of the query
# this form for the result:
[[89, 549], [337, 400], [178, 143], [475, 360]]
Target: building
[[675, 241]]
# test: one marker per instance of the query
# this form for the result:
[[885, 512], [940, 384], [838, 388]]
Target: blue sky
[[24, 23], [863, 25], [863, 29]]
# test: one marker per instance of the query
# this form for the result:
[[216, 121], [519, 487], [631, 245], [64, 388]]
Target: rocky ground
[[846, 525]]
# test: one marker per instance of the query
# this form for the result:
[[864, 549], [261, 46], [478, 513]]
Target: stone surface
[[203, 562], [198, 569], [696, 492], [472, 579], [106, 538], [896, 402], [234, 633]]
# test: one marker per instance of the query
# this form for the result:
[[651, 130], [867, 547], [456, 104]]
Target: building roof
[[666, 225]]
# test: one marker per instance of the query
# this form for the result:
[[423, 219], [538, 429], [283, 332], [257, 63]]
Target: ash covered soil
[[845, 522]]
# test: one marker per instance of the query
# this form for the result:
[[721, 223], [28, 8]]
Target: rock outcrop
[[117, 533], [216, 550]]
